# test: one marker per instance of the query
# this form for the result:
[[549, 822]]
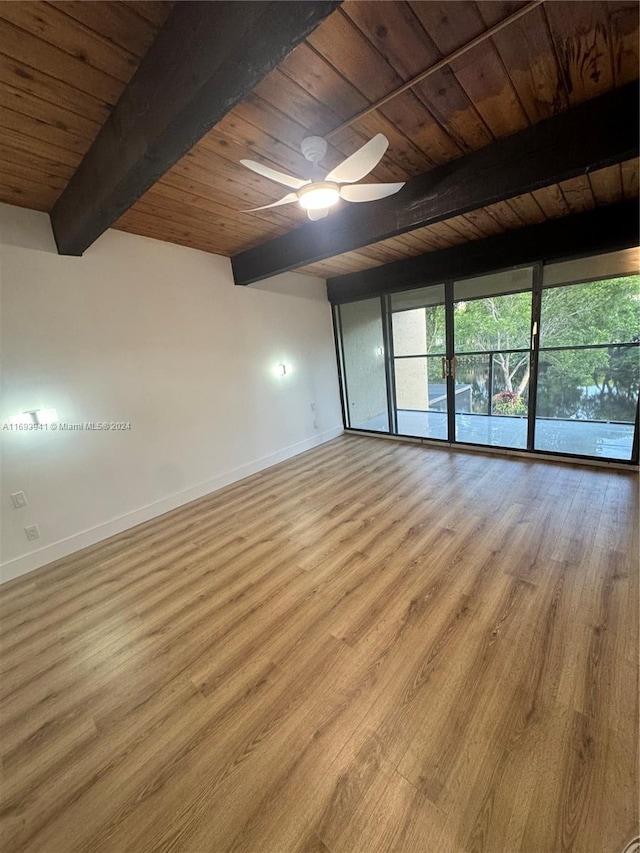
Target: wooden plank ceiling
[[63, 66]]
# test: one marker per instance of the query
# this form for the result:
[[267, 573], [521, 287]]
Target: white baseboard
[[47, 554]]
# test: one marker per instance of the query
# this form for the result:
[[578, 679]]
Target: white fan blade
[[359, 164], [369, 192], [278, 177], [288, 199], [317, 214]]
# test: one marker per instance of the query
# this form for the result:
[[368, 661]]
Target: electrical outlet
[[315, 425], [19, 499], [32, 532]]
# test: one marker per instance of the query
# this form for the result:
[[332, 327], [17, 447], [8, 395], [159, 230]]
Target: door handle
[[448, 367]]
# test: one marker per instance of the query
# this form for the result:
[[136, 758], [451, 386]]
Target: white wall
[[157, 335]]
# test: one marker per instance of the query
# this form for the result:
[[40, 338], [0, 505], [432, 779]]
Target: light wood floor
[[372, 647]]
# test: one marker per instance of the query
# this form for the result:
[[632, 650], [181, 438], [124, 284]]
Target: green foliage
[[493, 323], [599, 384], [509, 403], [597, 312], [473, 370], [596, 384], [497, 323]]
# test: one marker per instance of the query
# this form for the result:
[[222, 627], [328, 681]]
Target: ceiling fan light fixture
[[342, 182], [319, 195]]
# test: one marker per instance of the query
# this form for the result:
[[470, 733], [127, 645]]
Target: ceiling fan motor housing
[[314, 148]]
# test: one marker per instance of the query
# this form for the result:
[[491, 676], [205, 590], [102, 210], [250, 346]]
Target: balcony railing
[[480, 387]]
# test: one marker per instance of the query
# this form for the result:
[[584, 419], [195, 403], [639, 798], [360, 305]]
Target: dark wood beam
[[605, 229], [206, 58], [591, 136]]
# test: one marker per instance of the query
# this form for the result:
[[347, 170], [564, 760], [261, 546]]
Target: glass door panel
[[492, 340], [421, 397], [418, 323], [364, 374], [589, 370], [487, 411]]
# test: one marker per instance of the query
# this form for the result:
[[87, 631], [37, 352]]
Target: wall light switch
[[32, 532], [18, 499]]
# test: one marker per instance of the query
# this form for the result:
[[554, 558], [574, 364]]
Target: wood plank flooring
[[371, 647]]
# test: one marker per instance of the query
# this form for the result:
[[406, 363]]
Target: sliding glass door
[[492, 363], [474, 360], [418, 322], [589, 372], [363, 365], [544, 358]]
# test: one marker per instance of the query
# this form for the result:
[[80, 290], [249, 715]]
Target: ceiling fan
[[317, 195]]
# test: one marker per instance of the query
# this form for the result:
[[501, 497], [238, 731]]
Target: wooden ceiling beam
[[206, 58], [605, 229], [591, 136]]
